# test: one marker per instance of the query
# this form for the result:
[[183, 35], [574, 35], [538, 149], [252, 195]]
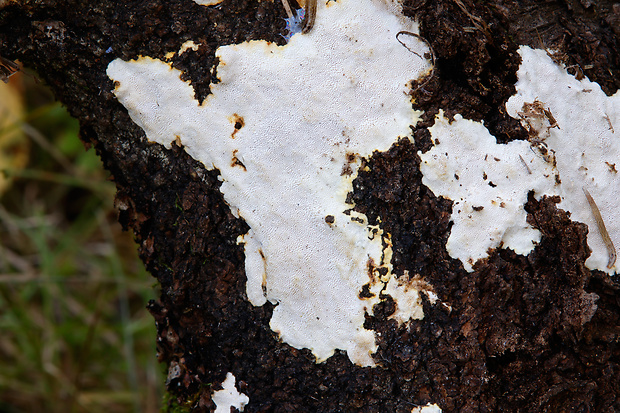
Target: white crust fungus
[[187, 46], [429, 408], [229, 396], [406, 294], [208, 2], [586, 143], [573, 145], [488, 184], [286, 128]]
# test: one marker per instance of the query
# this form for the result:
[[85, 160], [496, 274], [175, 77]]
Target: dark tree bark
[[488, 353]]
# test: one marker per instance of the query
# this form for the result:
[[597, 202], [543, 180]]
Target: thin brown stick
[[477, 21], [309, 17], [611, 127], [430, 48], [287, 9], [611, 250], [529, 171], [7, 69]]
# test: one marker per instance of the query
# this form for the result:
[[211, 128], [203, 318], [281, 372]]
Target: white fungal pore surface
[[406, 293], [586, 144], [229, 396], [208, 2], [429, 408], [489, 182], [286, 128]]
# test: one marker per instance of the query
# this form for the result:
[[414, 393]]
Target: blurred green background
[[74, 332]]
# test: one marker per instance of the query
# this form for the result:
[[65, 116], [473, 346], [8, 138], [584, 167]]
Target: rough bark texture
[[535, 333]]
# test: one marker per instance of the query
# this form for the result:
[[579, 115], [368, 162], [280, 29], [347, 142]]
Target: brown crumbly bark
[[523, 334]]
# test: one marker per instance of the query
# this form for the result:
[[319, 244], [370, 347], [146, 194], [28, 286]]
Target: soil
[[521, 334]]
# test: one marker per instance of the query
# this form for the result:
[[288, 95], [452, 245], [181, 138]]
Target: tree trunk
[[537, 331]]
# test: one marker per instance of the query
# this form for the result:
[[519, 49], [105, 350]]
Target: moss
[[170, 404]]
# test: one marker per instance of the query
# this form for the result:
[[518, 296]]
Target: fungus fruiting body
[[287, 126], [429, 408], [572, 145], [490, 191], [310, 109], [585, 145], [229, 396], [208, 2]]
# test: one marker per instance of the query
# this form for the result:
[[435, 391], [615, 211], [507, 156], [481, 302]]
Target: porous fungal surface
[[429, 408], [488, 183], [585, 144], [286, 127], [208, 2], [229, 396], [572, 146]]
